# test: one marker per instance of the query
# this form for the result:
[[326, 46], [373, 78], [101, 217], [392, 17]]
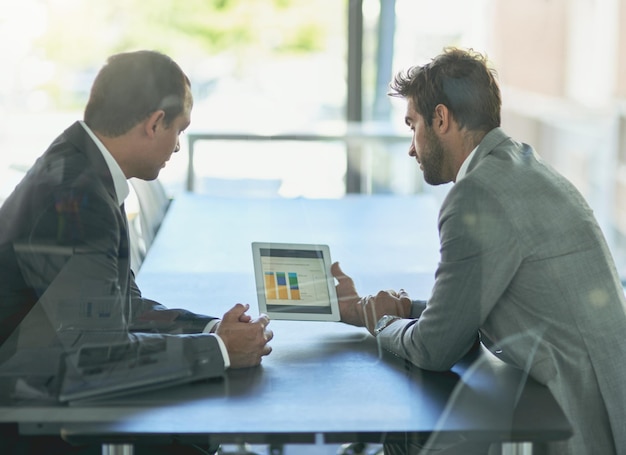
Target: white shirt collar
[[465, 165], [119, 179]]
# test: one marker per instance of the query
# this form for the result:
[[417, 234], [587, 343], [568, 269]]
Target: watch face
[[383, 322]]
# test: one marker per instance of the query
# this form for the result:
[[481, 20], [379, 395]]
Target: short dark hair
[[133, 85], [459, 79]]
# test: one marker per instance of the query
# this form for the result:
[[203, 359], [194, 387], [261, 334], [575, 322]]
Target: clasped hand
[[365, 312], [245, 339]]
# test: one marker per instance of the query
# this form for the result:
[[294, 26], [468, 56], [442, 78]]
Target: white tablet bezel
[[301, 314]]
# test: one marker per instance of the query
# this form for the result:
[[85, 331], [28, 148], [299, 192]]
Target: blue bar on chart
[[281, 280]]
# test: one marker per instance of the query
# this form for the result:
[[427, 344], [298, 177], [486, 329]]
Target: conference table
[[323, 382]]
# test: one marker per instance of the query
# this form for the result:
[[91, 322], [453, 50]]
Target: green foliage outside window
[[79, 34]]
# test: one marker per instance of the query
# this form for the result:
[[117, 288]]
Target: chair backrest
[[137, 244], [153, 205], [505, 399]]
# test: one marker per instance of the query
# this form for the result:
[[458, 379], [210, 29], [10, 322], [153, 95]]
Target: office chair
[[137, 244], [463, 389], [463, 392], [153, 205], [360, 448], [247, 449]]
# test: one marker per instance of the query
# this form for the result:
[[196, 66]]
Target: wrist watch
[[384, 322]]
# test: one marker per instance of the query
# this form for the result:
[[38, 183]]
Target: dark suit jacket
[[65, 276]]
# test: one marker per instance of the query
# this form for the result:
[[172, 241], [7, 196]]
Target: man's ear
[[153, 121], [441, 118]]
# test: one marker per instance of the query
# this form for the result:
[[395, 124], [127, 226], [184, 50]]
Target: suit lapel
[[79, 138]]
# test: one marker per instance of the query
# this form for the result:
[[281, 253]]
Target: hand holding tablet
[[293, 281]]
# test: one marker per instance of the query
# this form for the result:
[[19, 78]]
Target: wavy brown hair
[[459, 79]]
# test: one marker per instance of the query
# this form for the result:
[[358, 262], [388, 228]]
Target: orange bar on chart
[[270, 286], [293, 286]]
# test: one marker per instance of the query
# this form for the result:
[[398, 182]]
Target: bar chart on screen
[[302, 286]]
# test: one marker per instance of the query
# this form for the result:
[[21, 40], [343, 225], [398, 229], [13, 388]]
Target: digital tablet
[[293, 281]]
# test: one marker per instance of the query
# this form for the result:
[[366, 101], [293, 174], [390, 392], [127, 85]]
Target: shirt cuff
[[209, 327], [223, 349], [220, 342]]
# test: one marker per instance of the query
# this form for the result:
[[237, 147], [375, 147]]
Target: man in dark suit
[[65, 276]]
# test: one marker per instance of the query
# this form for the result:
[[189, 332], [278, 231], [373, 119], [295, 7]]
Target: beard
[[433, 160]]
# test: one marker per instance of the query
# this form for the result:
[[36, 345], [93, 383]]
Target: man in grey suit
[[524, 265], [65, 269]]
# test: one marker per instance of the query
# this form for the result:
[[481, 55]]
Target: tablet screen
[[293, 281]]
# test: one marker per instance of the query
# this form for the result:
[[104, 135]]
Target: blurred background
[[264, 67]]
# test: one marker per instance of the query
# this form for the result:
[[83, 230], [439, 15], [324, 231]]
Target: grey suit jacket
[[525, 264], [64, 262]]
